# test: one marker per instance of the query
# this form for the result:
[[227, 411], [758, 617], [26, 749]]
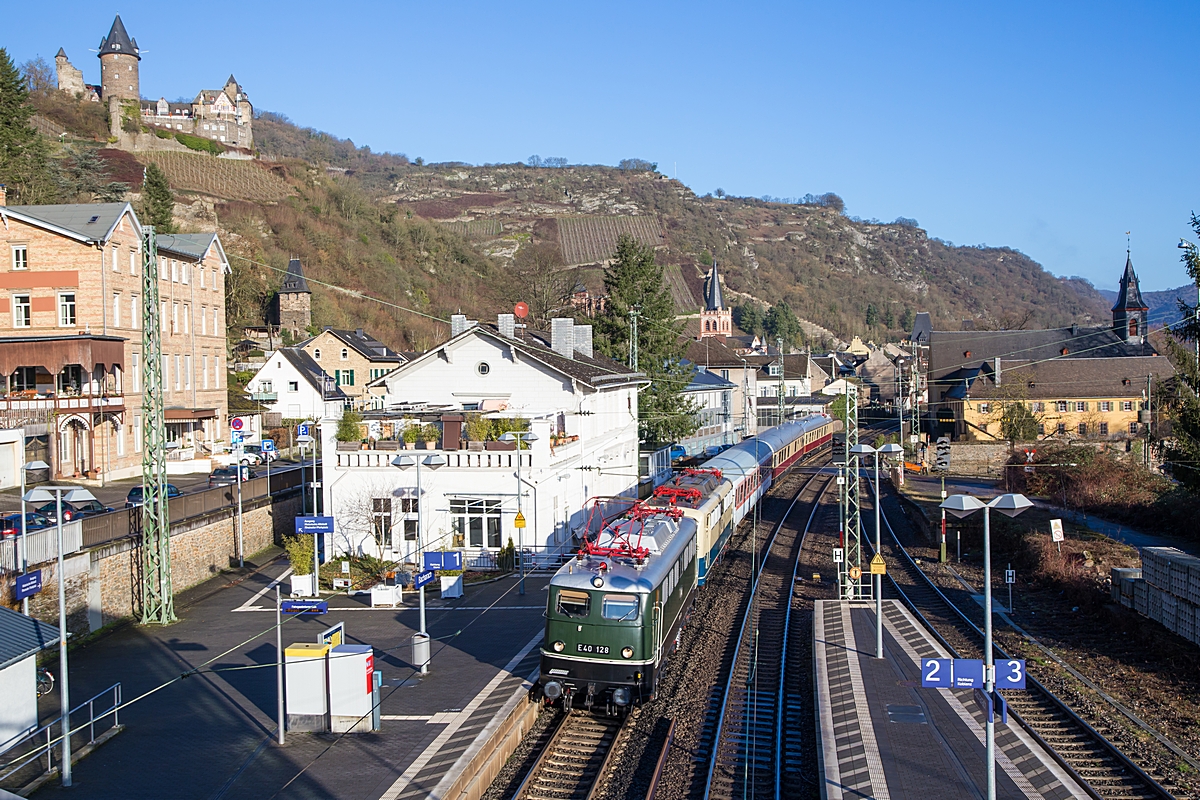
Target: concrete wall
[[979, 459], [103, 584], [18, 712]]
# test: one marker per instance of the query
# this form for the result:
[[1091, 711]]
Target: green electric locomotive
[[614, 613]]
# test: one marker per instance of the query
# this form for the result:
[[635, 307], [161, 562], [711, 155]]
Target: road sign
[[839, 555], [268, 446], [451, 559], [937, 673], [235, 437], [877, 565], [1056, 530], [1010, 674], [314, 524], [1010, 576], [423, 578], [28, 585], [519, 520], [302, 429], [304, 607], [333, 636], [968, 673], [345, 567], [855, 573], [236, 423]]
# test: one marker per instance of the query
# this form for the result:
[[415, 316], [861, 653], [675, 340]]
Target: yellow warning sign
[[877, 565], [519, 521]]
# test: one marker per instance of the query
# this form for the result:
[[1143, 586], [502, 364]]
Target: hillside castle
[[224, 115]]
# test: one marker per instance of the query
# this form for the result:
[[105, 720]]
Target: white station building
[[580, 407]]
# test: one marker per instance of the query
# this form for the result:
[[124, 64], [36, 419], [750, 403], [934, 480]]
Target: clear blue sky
[[1049, 127]]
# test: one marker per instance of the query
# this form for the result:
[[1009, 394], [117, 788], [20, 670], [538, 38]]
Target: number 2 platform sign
[[968, 673]]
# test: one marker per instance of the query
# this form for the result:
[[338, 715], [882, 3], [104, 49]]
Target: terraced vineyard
[[219, 177], [586, 240], [476, 229]]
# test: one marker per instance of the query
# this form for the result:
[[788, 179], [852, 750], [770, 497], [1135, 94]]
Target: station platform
[[883, 736]]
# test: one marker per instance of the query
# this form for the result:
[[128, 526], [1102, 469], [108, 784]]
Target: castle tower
[[715, 318], [119, 59], [1129, 312], [70, 79], [295, 302]]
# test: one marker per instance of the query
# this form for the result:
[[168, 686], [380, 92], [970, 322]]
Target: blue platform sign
[[314, 524], [423, 578], [968, 673], [443, 560], [304, 607], [28, 584], [937, 673], [1010, 674]]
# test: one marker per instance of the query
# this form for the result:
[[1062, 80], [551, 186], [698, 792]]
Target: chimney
[[583, 340], [359, 333], [997, 370], [3, 195], [458, 324], [562, 336], [507, 323]]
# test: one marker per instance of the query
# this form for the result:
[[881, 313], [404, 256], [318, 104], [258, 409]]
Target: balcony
[[455, 459], [264, 397]]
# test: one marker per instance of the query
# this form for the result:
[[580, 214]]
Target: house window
[[204, 372], [187, 318], [24, 379], [1061, 406], [216, 325], [216, 372], [1038, 406], [203, 321], [177, 375], [174, 271], [116, 266], [1041, 429], [1080, 406], [293, 386], [137, 433], [116, 309], [1104, 429], [381, 521], [133, 259], [119, 430], [134, 312], [1062, 429], [985, 408], [1127, 405], [1106, 405], [174, 317], [186, 272], [410, 530], [166, 373], [66, 310], [1133, 428], [345, 354], [22, 315], [345, 377], [70, 380], [136, 364], [187, 372], [162, 268], [162, 317], [1083, 429], [477, 522], [20, 256]]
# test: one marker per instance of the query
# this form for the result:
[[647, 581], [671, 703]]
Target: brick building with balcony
[[71, 336]]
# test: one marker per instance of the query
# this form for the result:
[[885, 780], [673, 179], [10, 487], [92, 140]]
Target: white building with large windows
[[579, 406]]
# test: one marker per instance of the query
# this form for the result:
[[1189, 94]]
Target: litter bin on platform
[[420, 643]]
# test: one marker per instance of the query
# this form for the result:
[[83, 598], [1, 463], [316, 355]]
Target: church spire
[[713, 299], [1129, 312]]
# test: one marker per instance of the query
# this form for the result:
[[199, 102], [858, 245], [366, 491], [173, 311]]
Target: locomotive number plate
[[598, 649]]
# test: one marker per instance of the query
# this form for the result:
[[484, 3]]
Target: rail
[[47, 731], [573, 760]]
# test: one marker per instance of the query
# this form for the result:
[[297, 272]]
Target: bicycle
[[45, 682]]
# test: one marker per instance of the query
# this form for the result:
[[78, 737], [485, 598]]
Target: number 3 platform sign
[[968, 673]]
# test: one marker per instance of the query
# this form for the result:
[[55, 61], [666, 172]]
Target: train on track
[[614, 612]]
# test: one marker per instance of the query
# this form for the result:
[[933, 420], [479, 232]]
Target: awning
[[189, 414], [52, 353]]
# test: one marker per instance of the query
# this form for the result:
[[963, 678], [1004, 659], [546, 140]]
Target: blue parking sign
[[936, 673], [303, 429], [1010, 674], [268, 446], [968, 673]]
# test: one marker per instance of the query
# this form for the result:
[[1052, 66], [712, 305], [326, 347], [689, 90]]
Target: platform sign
[[423, 578], [1010, 576], [28, 585], [839, 555], [304, 607], [968, 673], [314, 525], [1056, 530], [937, 673], [449, 559], [877, 565], [1010, 674], [334, 636]]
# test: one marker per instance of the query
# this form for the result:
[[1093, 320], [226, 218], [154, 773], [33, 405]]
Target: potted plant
[[411, 434], [452, 582], [430, 433], [300, 553], [478, 430]]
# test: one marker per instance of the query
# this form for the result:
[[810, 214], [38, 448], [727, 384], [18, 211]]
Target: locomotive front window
[[621, 607], [574, 604]]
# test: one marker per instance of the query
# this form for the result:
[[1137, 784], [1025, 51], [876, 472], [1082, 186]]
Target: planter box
[[302, 585], [453, 586], [348, 445], [476, 446], [384, 595], [500, 445]]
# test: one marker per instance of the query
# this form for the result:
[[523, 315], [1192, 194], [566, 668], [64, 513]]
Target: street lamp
[[518, 437], [433, 462], [304, 441], [877, 585], [963, 505], [44, 494], [32, 465]]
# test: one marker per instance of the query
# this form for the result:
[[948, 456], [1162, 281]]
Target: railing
[[94, 402], [41, 546], [34, 748], [461, 459]]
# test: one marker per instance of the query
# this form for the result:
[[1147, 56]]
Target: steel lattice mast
[[157, 598], [853, 589]]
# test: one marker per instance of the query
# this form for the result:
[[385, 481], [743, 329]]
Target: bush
[[348, 427], [200, 144], [506, 557], [300, 553], [163, 133], [411, 434]]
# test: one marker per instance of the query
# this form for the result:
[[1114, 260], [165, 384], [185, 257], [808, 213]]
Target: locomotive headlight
[[621, 696], [627, 652], [558, 647], [597, 581]]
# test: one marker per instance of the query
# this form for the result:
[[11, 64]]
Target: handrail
[[24, 760]]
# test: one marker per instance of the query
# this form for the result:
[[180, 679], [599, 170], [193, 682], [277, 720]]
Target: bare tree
[[367, 514], [539, 280]]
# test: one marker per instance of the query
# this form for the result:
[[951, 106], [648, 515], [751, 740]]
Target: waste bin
[[420, 659]]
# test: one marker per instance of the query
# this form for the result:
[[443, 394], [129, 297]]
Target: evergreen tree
[[781, 322], [889, 319], [907, 319], [749, 317], [633, 279], [872, 315], [1180, 398], [158, 204], [25, 164]]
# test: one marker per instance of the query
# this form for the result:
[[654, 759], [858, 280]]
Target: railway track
[[756, 749], [1095, 761], [573, 759]]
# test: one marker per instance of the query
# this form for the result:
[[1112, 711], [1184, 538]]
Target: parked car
[[74, 510], [34, 521], [228, 476], [134, 498], [254, 454]]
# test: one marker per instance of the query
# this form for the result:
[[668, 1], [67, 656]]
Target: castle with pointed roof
[[224, 115]]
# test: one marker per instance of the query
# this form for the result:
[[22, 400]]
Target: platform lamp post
[[58, 494], [304, 442], [963, 505], [877, 580], [518, 437], [32, 465], [433, 462]]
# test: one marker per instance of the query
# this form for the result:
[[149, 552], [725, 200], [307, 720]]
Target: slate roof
[[61, 53], [953, 350], [712, 352], [118, 41], [1130, 296], [704, 380], [922, 327], [189, 245], [795, 365], [713, 300], [22, 636], [294, 281], [1073, 377], [364, 344], [91, 222], [311, 371]]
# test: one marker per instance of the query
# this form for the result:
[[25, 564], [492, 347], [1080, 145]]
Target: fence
[[41, 546], [45, 743]]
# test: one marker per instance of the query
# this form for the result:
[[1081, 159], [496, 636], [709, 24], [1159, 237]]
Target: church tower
[[295, 302], [1129, 312], [715, 318], [119, 59]]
